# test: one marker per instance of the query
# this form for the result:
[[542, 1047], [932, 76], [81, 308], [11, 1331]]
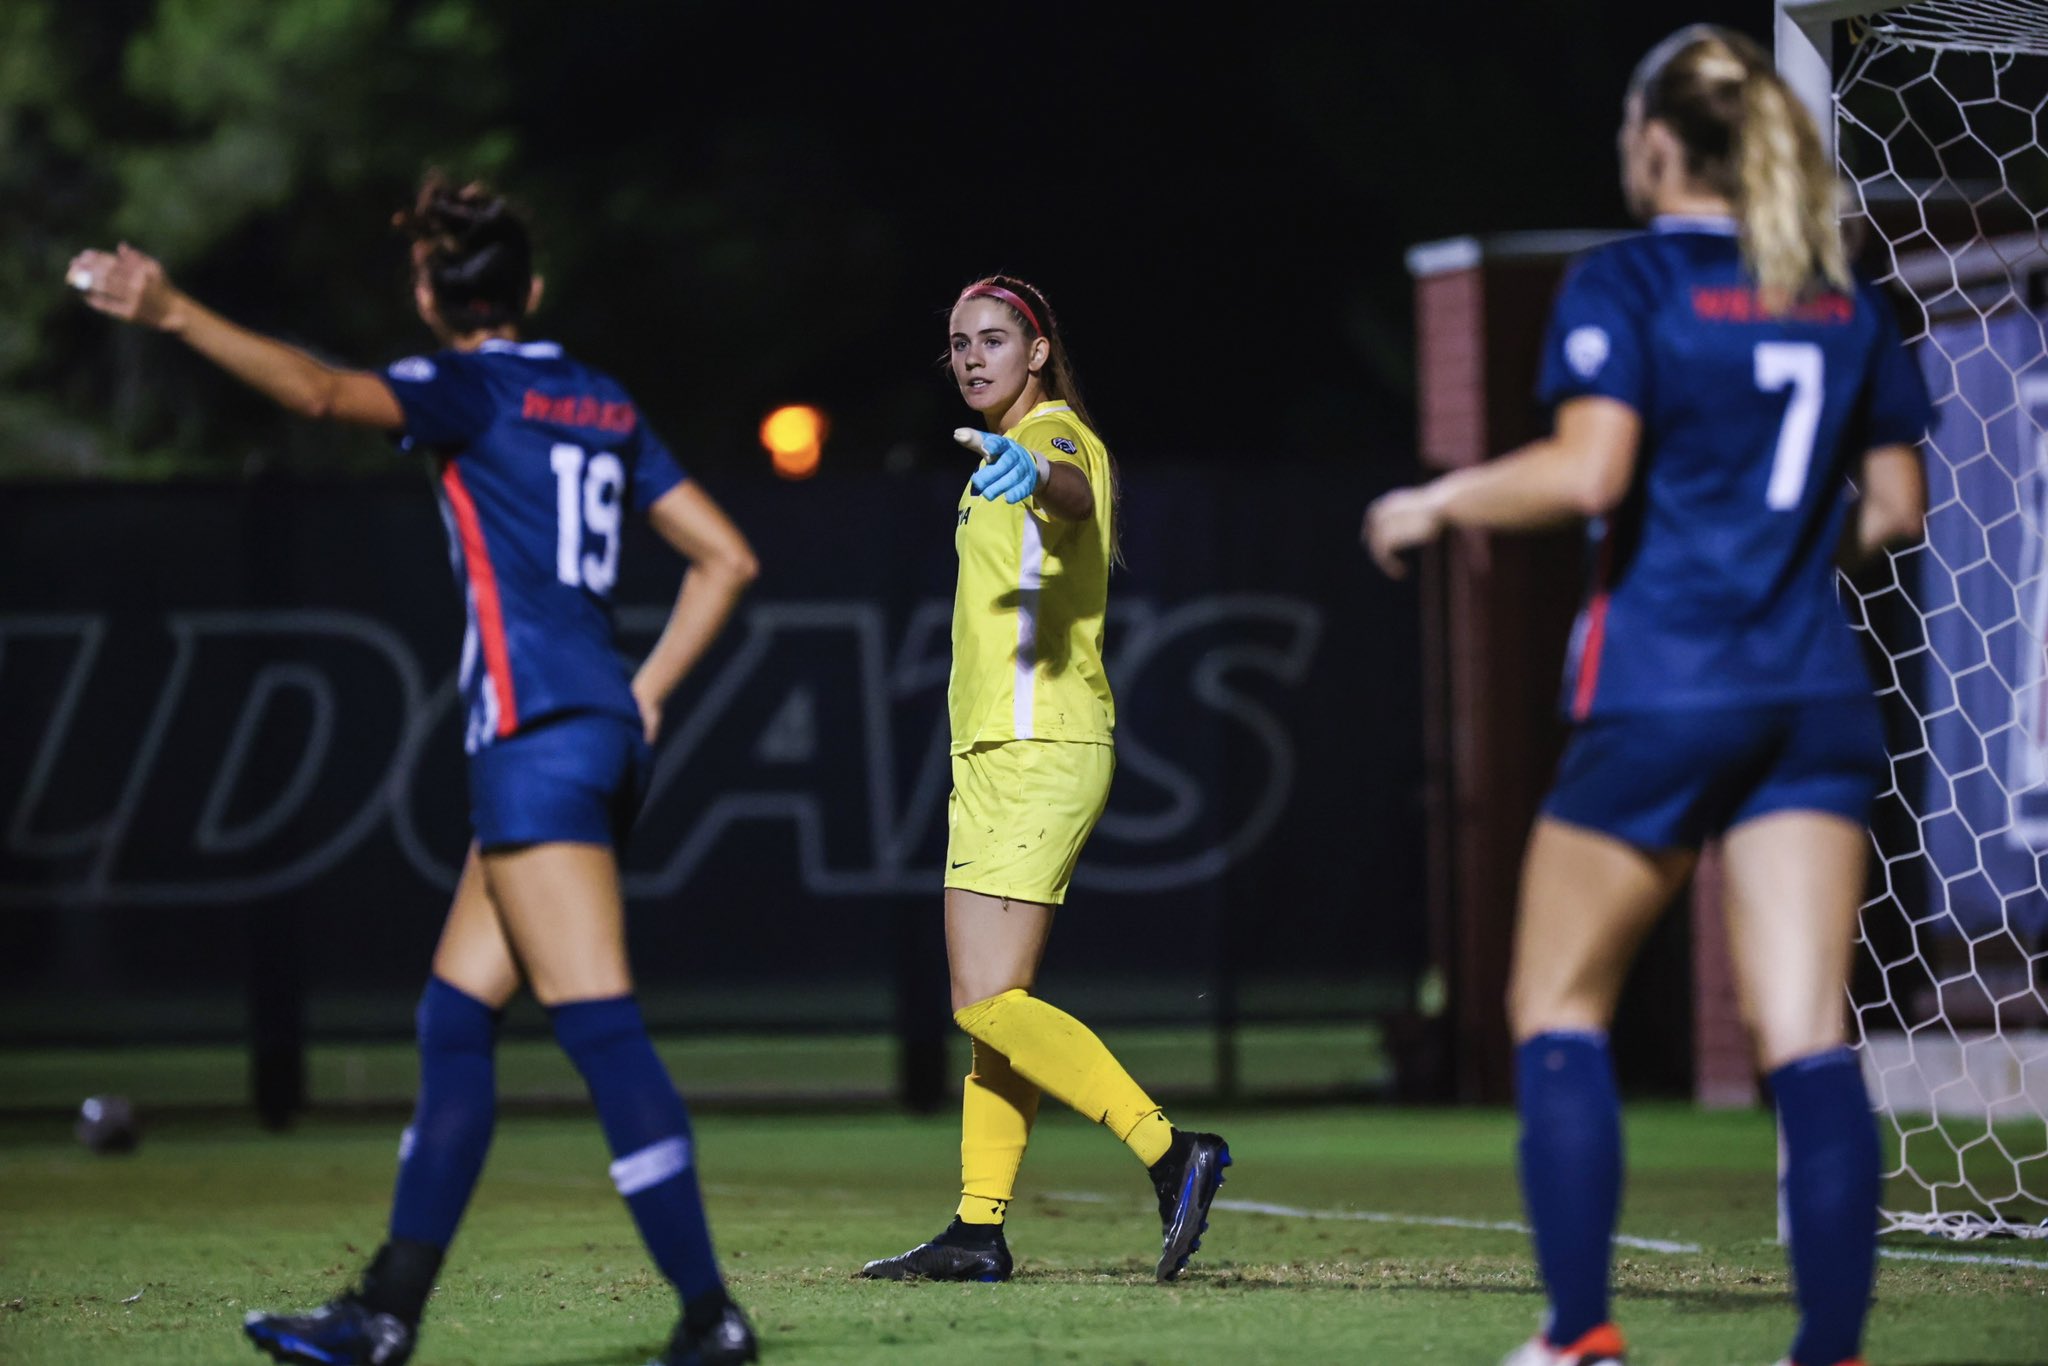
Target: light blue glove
[[1011, 472]]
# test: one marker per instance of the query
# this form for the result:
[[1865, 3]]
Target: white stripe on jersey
[[469, 645], [1030, 570], [487, 721], [537, 350], [1720, 225]]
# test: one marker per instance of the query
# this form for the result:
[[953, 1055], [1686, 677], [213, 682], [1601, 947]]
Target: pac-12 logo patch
[[1585, 350], [417, 369], [1061, 443]]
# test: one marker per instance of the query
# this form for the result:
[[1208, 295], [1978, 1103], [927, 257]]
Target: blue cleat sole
[[285, 1347]]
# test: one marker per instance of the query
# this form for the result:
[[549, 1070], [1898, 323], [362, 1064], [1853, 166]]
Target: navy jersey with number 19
[[1714, 581], [539, 459]]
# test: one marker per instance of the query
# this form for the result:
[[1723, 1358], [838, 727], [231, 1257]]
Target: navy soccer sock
[[1571, 1172], [649, 1131], [1831, 1187], [442, 1154]]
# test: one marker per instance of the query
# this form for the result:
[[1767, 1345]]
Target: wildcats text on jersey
[[579, 410], [1740, 304]]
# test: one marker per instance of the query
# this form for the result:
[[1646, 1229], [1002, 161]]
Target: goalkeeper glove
[[1009, 472]]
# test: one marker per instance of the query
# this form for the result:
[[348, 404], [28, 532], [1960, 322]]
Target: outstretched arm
[[722, 564], [131, 286], [1013, 473], [1583, 469]]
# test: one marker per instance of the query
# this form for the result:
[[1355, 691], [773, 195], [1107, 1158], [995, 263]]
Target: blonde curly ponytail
[[1749, 139], [1786, 194]]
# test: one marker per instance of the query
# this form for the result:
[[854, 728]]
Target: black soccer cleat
[[342, 1332], [727, 1341], [374, 1323], [940, 1260], [1186, 1182]]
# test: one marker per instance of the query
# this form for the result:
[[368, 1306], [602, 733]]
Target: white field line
[[1433, 1221], [1504, 1226], [1971, 1258]]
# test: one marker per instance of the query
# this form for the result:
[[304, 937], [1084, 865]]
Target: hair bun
[[473, 248], [444, 214]]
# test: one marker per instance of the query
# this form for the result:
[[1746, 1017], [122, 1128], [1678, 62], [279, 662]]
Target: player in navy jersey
[[1717, 381], [538, 460]]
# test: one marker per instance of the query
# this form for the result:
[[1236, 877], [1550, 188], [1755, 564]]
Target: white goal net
[[1939, 115]]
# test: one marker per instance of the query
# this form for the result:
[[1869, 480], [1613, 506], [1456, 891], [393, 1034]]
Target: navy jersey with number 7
[[540, 458], [1714, 581]]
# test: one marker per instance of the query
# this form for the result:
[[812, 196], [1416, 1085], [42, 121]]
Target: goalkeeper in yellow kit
[[1032, 753]]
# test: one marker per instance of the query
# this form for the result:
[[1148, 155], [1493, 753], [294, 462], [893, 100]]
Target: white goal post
[[1936, 114]]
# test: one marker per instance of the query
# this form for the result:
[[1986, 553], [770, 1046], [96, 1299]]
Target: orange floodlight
[[795, 438]]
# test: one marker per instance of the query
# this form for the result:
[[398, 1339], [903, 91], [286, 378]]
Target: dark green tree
[[255, 149]]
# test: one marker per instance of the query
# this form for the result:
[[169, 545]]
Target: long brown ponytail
[[1749, 139]]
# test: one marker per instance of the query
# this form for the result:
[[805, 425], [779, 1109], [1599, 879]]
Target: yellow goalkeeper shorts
[[1019, 814]]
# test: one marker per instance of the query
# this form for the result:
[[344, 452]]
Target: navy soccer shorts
[[1674, 779], [576, 778]]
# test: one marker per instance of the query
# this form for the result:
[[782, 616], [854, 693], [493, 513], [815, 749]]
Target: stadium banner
[[226, 702], [1982, 590]]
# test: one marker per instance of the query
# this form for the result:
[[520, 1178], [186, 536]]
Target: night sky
[[1218, 210]]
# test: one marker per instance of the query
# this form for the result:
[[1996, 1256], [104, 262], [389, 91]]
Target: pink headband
[[998, 292]]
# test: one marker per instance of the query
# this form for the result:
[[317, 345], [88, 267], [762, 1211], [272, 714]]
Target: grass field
[[154, 1256]]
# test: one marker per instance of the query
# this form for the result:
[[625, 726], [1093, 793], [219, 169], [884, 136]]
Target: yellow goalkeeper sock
[[996, 1110], [1062, 1057]]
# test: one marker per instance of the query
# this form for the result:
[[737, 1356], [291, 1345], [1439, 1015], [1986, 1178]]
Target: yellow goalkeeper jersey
[[1027, 615]]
